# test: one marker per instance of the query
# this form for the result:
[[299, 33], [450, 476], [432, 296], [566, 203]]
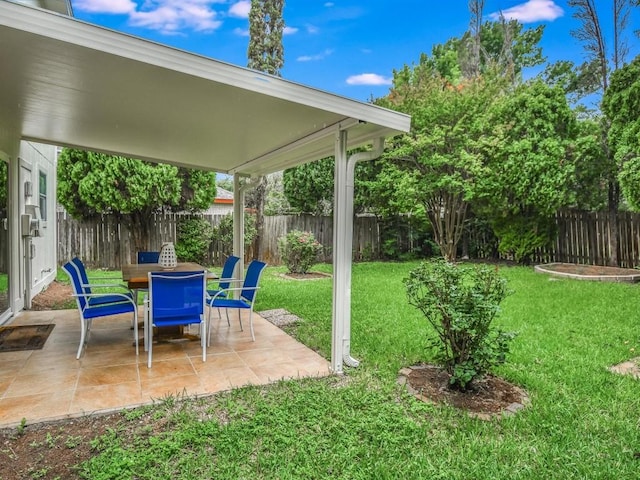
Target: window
[[42, 192]]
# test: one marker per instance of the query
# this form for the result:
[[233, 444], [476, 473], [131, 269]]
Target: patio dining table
[[137, 274]]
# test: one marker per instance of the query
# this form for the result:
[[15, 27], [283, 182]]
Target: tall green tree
[[91, 184], [440, 152], [576, 81], [621, 106], [309, 187], [276, 202], [607, 59], [431, 170], [527, 150], [266, 25], [592, 170], [503, 45], [266, 54]]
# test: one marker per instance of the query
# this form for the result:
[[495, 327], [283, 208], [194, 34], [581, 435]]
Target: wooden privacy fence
[[583, 237], [366, 235], [104, 243]]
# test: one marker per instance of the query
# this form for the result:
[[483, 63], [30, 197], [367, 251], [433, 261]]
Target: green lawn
[[583, 421]]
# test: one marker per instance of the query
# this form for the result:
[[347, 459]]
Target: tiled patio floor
[[49, 384]]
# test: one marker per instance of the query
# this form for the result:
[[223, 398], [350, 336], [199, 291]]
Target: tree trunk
[[447, 212], [260, 194]]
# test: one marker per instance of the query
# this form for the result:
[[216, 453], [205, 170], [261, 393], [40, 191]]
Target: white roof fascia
[[329, 131], [287, 158]]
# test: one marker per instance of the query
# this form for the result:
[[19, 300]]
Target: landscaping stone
[[630, 367], [279, 317]]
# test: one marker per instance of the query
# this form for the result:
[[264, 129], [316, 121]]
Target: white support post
[[343, 246], [341, 257], [238, 223]]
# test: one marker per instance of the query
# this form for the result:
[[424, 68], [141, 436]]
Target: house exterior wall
[[38, 167], [219, 209]]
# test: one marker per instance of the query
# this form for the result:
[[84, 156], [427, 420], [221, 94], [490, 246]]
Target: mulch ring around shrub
[[489, 397]]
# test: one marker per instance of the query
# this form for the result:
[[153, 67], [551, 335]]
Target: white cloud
[[368, 79], [315, 58], [170, 17], [240, 9], [242, 32], [329, 4], [312, 29], [105, 6], [289, 30], [531, 11], [173, 17]]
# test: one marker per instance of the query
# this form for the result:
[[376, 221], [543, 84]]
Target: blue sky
[[347, 47]]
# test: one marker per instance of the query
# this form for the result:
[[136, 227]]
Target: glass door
[[4, 240]]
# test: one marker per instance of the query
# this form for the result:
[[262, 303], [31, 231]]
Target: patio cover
[[69, 83], [73, 84]]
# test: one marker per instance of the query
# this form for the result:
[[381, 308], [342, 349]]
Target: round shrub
[[460, 303], [299, 251]]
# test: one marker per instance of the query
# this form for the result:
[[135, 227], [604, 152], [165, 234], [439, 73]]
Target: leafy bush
[[223, 232], [521, 236], [299, 251], [193, 240], [460, 303]]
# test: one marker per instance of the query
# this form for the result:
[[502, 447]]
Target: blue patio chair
[[225, 281], [87, 287], [175, 298], [148, 257], [118, 303], [246, 299], [226, 277], [145, 257]]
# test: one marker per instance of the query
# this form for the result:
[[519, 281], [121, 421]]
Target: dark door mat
[[15, 338]]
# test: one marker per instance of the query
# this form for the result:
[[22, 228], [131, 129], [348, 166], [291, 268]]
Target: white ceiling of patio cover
[[73, 84]]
